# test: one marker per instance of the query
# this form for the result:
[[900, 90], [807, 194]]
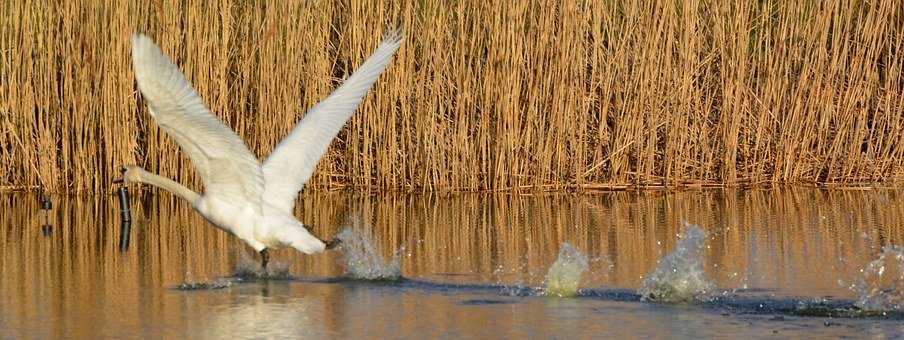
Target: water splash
[[191, 284], [564, 276], [561, 279], [679, 276], [218, 284], [524, 280], [363, 260], [599, 270], [250, 268], [881, 283]]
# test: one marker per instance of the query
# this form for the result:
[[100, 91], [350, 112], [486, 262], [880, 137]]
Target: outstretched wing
[[292, 163], [222, 160]]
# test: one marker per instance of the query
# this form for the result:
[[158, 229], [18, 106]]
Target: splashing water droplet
[[249, 268], [517, 281], [564, 276], [881, 283], [363, 260], [218, 284], [679, 276]]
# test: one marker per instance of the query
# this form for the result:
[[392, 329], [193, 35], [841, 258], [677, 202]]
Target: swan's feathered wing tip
[[391, 42], [143, 49], [153, 72], [138, 38], [395, 35], [151, 66]]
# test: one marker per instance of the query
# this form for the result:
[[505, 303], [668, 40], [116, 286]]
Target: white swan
[[253, 202]]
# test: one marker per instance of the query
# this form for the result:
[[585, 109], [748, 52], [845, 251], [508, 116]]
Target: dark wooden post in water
[[125, 223], [46, 205]]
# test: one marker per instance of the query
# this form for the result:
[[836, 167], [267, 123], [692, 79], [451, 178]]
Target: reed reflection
[[804, 242]]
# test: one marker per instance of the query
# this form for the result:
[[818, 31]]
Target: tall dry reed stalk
[[483, 95]]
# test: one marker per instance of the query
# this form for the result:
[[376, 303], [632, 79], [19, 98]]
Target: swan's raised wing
[[225, 164], [292, 163]]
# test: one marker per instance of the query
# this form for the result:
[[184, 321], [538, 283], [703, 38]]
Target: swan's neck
[[168, 185]]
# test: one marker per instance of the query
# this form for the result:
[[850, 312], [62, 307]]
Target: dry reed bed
[[495, 95]]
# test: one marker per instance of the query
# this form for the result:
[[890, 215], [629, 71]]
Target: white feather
[[293, 161], [252, 202], [222, 160]]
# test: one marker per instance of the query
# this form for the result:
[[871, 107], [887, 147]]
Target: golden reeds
[[483, 95]]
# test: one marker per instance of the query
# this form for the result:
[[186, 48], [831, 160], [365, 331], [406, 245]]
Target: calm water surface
[[783, 262]]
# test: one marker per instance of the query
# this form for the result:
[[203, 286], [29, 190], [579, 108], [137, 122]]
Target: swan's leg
[[265, 257]]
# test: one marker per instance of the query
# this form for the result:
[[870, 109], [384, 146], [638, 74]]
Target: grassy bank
[[482, 95]]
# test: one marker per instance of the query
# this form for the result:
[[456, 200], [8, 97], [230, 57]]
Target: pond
[[786, 262]]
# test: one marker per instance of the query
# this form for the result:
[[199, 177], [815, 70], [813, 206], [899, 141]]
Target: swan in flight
[[254, 202]]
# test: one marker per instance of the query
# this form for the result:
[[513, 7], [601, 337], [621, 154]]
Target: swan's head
[[130, 174]]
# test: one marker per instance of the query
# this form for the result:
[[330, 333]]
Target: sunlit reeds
[[483, 95]]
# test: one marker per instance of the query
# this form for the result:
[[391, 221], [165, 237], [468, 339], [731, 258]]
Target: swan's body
[[254, 202]]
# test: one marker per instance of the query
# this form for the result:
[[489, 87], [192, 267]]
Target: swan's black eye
[[123, 168]]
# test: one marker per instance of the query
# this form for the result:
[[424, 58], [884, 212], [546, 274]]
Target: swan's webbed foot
[[333, 243], [265, 258]]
